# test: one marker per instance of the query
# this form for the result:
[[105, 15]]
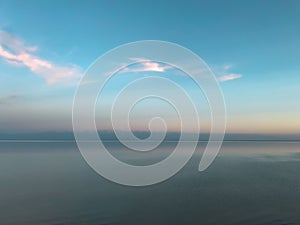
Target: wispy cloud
[[15, 52], [144, 65], [231, 76], [223, 73], [227, 67]]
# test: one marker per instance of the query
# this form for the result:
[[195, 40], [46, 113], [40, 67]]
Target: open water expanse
[[49, 183]]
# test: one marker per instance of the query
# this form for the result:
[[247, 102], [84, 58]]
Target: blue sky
[[256, 42]]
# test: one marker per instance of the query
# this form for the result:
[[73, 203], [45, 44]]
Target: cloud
[[145, 65], [231, 76], [223, 73], [227, 66], [15, 52]]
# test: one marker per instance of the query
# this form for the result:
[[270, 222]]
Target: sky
[[252, 47]]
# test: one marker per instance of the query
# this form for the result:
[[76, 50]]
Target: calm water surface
[[249, 183]]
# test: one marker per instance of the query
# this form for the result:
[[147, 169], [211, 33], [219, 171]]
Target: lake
[[45, 183]]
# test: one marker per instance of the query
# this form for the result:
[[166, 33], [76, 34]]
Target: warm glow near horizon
[[42, 58]]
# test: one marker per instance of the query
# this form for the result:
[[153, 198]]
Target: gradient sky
[[253, 48]]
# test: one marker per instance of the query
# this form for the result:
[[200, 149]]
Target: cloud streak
[[144, 65], [228, 77], [16, 53], [223, 73]]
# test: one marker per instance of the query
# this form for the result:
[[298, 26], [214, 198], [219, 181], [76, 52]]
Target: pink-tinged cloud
[[228, 77], [144, 65], [15, 52]]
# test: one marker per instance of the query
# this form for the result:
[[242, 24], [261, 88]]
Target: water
[[47, 183]]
